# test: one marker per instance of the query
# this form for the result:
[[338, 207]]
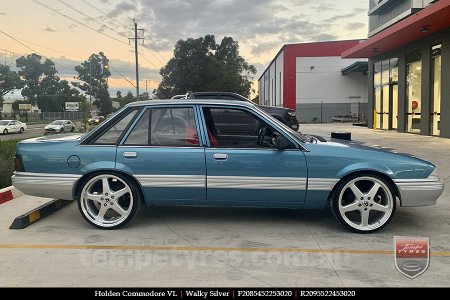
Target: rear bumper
[[56, 186], [420, 192]]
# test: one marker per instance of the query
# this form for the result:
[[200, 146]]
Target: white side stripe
[[195, 181], [237, 182]]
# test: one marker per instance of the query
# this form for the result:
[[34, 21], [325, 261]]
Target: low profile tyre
[[5, 131], [21, 130], [108, 201], [364, 203]]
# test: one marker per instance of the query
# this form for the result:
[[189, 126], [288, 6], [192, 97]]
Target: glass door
[[435, 90], [413, 91]]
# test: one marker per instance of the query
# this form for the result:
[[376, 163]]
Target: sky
[[69, 31]]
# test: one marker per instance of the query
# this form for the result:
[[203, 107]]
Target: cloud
[[122, 8], [354, 26], [49, 29], [346, 16], [2, 13]]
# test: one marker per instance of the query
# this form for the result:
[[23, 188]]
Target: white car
[[60, 126], [8, 126]]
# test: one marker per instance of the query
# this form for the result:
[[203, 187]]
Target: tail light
[[18, 163]]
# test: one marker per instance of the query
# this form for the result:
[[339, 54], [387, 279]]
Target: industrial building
[[408, 51], [317, 82]]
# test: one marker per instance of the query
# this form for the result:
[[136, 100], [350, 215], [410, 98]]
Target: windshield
[[57, 122], [4, 123]]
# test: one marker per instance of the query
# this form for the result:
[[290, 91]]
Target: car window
[[237, 128], [167, 127], [12, 123], [110, 136]]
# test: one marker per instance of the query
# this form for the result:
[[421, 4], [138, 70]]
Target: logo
[[412, 255]]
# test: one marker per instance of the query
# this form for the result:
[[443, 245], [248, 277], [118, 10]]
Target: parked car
[[285, 115], [96, 120], [177, 152], [10, 126], [60, 126]]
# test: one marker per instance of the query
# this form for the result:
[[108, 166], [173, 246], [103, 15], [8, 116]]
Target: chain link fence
[[35, 116], [332, 112]]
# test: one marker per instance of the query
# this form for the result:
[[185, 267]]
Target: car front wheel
[[21, 130], [364, 203], [108, 201]]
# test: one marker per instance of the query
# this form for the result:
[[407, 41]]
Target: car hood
[[339, 155]]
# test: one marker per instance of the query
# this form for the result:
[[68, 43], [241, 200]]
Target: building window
[[435, 90], [413, 91]]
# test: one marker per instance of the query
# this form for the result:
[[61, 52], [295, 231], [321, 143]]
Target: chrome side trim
[[420, 192], [244, 182], [322, 184], [58, 186], [182, 181]]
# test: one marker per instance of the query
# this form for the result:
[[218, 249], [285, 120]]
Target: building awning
[[429, 20], [357, 67]]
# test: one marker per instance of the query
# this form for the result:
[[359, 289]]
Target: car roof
[[193, 101]]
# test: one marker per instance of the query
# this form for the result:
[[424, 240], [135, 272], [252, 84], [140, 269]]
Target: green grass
[[7, 152]]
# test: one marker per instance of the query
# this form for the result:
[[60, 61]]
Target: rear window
[[115, 131]]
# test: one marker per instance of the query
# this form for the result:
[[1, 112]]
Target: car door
[[163, 152], [67, 126], [242, 173], [13, 127]]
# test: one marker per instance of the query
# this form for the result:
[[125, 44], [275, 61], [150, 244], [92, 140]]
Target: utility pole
[[146, 90], [136, 54], [90, 83]]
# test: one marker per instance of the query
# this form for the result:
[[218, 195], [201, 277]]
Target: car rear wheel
[[364, 203], [73, 129], [21, 130], [5, 131], [108, 201]]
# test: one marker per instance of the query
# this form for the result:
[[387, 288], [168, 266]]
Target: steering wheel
[[261, 135]]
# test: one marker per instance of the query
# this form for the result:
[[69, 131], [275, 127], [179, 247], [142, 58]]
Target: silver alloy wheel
[[106, 200], [366, 203]]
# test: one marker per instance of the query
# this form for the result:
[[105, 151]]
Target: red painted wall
[[291, 52]]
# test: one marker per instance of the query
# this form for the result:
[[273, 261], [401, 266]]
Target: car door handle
[[220, 156], [130, 154]]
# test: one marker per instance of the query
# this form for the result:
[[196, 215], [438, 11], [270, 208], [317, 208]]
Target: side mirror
[[280, 142]]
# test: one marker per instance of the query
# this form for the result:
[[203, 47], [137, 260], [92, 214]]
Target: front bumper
[[56, 186], [420, 192]]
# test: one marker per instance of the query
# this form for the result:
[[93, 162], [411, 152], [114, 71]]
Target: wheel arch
[[366, 172], [80, 182]]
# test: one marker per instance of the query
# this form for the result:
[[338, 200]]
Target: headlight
[[291, 113]]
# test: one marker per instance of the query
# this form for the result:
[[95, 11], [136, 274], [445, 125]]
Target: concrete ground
[[218, 247]]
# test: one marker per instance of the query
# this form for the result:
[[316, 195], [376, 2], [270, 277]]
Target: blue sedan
[[210, 153]]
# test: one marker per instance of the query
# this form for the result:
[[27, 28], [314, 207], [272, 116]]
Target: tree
[[93, 74], [9, 81], [202, 65], [127, 99], [42, 86]]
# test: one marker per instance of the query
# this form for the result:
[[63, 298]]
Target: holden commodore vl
[[188, 152]]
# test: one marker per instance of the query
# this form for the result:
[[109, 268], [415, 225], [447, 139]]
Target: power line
[[76, 21], [13, 38], [102, 12], [122, 76], [89, 17], [58, 51]]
